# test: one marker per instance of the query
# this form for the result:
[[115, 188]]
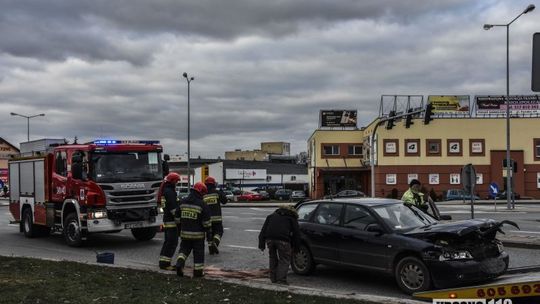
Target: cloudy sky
[[263, 69]]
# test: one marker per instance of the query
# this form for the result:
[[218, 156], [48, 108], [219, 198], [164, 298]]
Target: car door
[[359, 247], [320, 231]]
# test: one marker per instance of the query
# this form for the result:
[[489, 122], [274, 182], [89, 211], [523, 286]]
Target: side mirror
[[445, 217], [376, 228]]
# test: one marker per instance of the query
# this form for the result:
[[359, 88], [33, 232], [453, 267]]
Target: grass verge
[[25, 280]]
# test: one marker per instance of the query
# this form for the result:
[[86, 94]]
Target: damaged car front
[[463, 251]]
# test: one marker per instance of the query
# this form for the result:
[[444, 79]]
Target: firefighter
[[214, 199], [170, 208], [194, 226]]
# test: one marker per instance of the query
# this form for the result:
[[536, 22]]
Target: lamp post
[[189, 80], [509, 190], [27, 122]]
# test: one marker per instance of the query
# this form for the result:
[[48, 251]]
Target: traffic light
[[390, 122], [428, 113], [408, 119]]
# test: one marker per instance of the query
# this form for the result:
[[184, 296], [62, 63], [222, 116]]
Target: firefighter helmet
[[210, 180], [172, 178], [201, 188]]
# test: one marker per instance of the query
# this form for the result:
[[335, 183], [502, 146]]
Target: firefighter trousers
[[169, 245], [217, 233], [186, 246]]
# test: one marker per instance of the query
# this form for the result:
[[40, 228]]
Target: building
[[267, 149], [7, 151], [391, 155]]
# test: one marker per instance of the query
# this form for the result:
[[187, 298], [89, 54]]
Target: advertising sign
[[338, 118], [450, 104], [4, 175], [245, 173], [519, 104]]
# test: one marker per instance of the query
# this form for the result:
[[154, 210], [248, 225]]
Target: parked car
[[283, 194], [182, 192], [385, 235], [298, 195], [459, 195], [264, 194], [229, 195], [347, 194], [249, 196]]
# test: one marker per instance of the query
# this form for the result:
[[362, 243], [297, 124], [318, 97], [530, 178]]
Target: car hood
[[485, 228]]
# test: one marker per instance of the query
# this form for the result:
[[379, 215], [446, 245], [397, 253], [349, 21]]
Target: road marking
[[13, 225], [523, 231], [242, 247], [258, 209], [230, 216], [248, 213], [252, 230], [227, 228], [258, 218]]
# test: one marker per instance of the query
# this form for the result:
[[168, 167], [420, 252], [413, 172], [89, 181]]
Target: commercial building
[[7, 150], [434, 153], [267, 149]]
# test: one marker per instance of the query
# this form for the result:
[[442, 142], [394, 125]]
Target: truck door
[[59, 176], [76, 175]]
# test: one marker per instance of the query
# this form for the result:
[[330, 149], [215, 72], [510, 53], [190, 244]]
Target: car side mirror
[[445, 217], [376, 228]]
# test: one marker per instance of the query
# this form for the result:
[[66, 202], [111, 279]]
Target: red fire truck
[[79, 189]]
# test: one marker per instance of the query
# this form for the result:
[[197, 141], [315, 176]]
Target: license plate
[[134, 225]]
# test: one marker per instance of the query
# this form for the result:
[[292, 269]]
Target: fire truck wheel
[[28, 223], [144, 234], [72, 230]]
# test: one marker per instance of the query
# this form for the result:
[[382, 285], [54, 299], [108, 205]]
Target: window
[[433, 147], [455, 147], [537, 149], [293, 178], [331, 149], [305, 212], [328, 214], [268, 178], [391, 147], [357, 217], [476, 147], [61, 163], [412, 147], [355, 150]]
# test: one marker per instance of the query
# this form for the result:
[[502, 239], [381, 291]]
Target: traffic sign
[[468, 178], [493, 189]]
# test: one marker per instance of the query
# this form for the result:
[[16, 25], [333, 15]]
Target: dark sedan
[[385, 235]]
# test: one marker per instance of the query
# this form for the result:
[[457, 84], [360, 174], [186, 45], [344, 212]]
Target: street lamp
[[27, 122], [509, 191], [189, 80]]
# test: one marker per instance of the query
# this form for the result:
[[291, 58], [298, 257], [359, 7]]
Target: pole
[[27, 128], [188, 135], [508, 163]]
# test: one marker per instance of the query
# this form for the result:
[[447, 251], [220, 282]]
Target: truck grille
[[117, 197]]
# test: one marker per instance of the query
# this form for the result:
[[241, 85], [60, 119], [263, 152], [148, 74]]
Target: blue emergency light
[[107, 142]]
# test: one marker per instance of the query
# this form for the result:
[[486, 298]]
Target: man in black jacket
[[170, 208], [280, 232]]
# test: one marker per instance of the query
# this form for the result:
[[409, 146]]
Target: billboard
[[519, 104], [338, 118], [450, 104], [245, 174], [535, 79]]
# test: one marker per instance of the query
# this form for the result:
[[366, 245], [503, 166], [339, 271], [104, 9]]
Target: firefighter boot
[[180, 263]]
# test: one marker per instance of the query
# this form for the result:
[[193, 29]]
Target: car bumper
[[104, 225], [453, 273]]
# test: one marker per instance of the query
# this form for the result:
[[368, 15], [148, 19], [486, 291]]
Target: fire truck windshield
[[110, 167]]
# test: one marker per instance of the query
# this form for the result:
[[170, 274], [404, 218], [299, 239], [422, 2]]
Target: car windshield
[[402, 218], [126, 167]]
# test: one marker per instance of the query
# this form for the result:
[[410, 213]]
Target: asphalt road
[[238, 251]]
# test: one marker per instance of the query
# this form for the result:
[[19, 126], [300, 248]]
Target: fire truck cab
[[79, 189]]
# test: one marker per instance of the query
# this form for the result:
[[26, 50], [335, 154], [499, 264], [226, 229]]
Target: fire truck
[[80, 189]]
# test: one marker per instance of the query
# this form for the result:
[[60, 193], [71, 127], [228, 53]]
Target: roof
[[9, 144], [271, 168], [364, 201]]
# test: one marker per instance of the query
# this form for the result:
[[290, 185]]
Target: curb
[[525, 269]]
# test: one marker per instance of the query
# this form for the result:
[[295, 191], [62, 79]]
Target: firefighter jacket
[[414, 198], [214, 200], [170, 205], [194, 217], [282, 225]]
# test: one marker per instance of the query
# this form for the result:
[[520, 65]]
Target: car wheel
[[412, 275], [72, 230], [302, 262], [144, 234]]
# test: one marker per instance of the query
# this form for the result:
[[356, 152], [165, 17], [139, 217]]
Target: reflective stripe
[[191, 235], [181, 256], [207, 224], [187, 206], [173, 225], [164, 259], [168, 222], [217, 237], [198, 266], [216, 218]]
